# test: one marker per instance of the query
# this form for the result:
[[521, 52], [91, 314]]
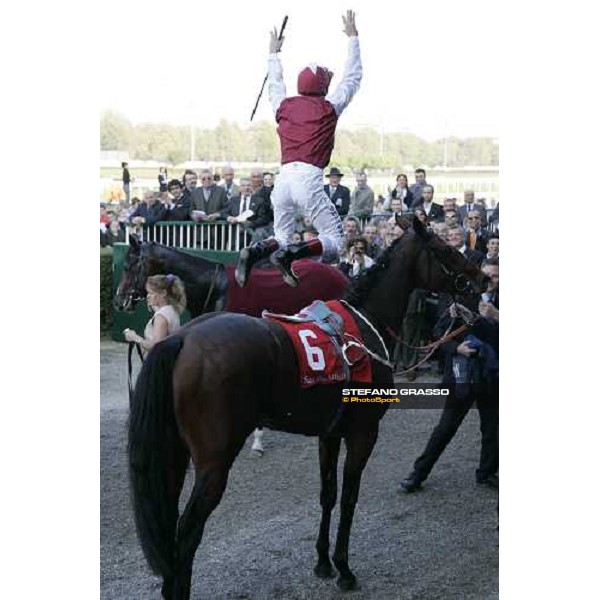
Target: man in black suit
[[457, 238], [470, 205], [190, 187], [177, 208], [240, 202], [259, 224], [471, 363], [477, 236], [417, 187], [338, 194], [434, 212]]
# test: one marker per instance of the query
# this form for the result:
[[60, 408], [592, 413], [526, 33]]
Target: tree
[[115, 131]]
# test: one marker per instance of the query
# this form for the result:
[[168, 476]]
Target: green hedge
[[106, 281]]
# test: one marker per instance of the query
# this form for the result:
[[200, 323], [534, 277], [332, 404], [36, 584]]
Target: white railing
[[219, 236], [226, 237]]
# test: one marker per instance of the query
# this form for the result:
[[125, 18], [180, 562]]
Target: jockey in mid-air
[[306, 128]]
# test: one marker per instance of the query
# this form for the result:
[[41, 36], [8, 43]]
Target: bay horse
[[202, 390]]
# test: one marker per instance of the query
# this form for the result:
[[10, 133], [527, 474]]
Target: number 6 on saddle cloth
[[328, 344]]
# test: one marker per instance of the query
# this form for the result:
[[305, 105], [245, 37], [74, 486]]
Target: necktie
[[472, 239]]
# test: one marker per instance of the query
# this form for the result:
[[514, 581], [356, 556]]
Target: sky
[[429, 67]]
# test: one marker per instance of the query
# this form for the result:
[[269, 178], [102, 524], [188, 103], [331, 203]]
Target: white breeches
[[299, 188]]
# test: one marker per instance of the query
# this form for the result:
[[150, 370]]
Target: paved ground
[[440, 543]]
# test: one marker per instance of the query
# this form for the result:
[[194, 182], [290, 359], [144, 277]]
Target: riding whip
[[267, 75]]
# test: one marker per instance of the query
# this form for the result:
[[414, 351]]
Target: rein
[[385, 361], [213, 283], [130, 366], [469, 320]]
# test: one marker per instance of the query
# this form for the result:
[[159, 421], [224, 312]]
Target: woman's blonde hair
[[173, 286]]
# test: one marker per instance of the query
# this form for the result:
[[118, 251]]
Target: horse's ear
[[420, 228], [402, 222]]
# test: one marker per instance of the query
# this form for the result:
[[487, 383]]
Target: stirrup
[[281, 260]]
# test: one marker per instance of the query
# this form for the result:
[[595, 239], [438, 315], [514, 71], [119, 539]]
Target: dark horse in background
[[210, 286], [202, 391]]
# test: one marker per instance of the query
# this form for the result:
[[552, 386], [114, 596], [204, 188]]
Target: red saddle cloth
[[318, 360], [266, 289]]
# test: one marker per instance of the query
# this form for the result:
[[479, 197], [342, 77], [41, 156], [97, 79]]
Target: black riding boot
[[252, 254], [283, 259]]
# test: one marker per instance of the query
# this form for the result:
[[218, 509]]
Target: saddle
[[328, 344]]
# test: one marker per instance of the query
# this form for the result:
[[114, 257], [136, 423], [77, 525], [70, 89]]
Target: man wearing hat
[[306, 128], [338, 194]]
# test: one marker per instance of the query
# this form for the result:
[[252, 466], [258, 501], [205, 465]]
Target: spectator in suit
[[417, 187], [190, 187], [450, 204], [228, 184], [434, 211], [163, 179], [177, 208], [147, 212], [451, 217], [258, 184], [260, 223], [337, 193], [362, 198], [269, 181], [396, 206], [493, 248], [401, 191], [477, 235], [240, 203], [357, 259], [471, 362], [469, 205], [351, 228], [495, 217], [440, 229], [456, 237], [211, 199]]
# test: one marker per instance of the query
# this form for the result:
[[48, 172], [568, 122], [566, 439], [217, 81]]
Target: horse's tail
[[155, 448]]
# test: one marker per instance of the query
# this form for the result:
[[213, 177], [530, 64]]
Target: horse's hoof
[[324, 571], [257, 453], [347, 584]]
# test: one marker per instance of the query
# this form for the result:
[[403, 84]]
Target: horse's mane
[[364, 283], [180, 254]]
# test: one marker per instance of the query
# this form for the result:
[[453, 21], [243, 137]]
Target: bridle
[[461, 282], [137, 289], [462, 285]]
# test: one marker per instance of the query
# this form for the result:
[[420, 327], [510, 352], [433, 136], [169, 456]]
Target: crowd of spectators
[[217, 197]]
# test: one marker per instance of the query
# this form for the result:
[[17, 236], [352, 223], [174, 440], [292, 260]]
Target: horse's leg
[[214, 441], [329, 450], [211, 479], [358, 450], [175, 481]]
